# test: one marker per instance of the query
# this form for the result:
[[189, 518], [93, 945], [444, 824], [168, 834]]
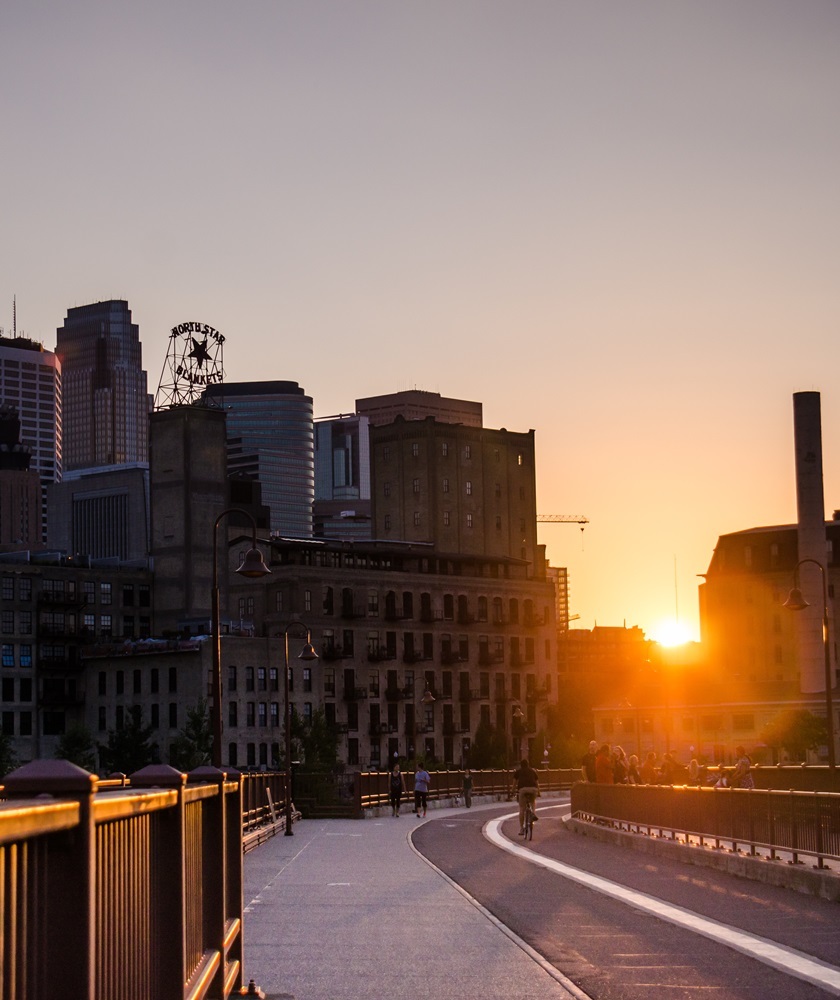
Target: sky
[[616, 223]]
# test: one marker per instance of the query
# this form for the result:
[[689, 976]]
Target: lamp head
[[795, 601], [518, 713], [428, 697], [308, 652], [253, 565]]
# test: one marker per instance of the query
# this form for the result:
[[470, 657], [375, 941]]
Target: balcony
[[487, 659], [381, 729], [533, 621], [473, 694], [397, 693], [355, 693], [383, 653], [332, 653]]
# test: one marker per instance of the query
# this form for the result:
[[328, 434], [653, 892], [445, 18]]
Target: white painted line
[[787, 960]]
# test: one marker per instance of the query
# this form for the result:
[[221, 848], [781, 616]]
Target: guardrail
[[373, 787], [121, 893], [793, 822]]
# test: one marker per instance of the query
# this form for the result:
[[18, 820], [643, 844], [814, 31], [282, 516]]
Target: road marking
[[788, 960]]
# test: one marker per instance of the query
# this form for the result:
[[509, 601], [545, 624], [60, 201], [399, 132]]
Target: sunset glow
[[671, 633]]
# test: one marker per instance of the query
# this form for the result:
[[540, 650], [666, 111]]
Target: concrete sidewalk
[[346, 910]]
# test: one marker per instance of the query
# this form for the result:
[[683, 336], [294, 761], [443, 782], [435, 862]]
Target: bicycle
[[529, 820]]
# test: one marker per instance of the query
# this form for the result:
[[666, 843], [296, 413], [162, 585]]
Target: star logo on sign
[[199, 352]]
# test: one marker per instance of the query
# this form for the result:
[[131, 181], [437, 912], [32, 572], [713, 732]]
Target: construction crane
[[563, 519]]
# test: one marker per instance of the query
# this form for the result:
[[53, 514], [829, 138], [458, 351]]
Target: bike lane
[[612, 948]]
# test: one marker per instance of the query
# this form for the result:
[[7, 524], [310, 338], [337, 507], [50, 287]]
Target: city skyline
[[613, 224]]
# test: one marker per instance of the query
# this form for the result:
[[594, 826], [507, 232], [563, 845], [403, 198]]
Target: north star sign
[[200, 355]]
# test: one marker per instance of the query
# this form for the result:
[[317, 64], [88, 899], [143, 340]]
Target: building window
[[446, 519], [307, 600], [261, 679], [173, 680], [387, 522], [386, 489], [154, 680], [249, 678], [415, 485], [120, 682], [275, 714], [467, 451], [25, 654], [468, 487], [444, 449], [274, 678], [173, 715], [102, 720], [469, 520], [417, 519], [445, 485], [105, 625], [233, 714], [250, 713], [262, 717], [307, 678], [7, 623], [373, 603], [104, 593], [8, 654], [415, 449], [8, 588], [278, 600]]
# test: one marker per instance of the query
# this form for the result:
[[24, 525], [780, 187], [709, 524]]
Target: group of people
[[608, 765], [397, 789]]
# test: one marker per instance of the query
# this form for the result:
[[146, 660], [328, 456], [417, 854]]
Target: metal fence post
[[63, 921]]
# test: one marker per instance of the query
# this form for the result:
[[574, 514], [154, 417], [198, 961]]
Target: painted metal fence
[[120, 893], [793, 822], [373, 787]]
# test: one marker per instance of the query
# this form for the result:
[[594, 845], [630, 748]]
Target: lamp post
[[518, 716], [253, 566], [796, 602], [307, 653]]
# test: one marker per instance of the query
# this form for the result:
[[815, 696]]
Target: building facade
[[417, 404], [31, 386], [271, 438], [342, 478], [106, 401], [53, 609], [465, 490]]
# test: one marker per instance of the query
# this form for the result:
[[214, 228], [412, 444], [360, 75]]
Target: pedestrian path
[[347, 910]]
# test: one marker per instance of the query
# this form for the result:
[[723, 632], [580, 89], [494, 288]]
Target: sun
[[671, 633]]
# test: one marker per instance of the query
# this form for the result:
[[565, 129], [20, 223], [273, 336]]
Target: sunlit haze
[[615, 223]]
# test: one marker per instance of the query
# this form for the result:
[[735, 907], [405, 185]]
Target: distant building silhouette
[[106, 403]]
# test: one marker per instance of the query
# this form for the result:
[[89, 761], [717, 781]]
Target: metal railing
[[373, 787], [114, 892], [780, 822]]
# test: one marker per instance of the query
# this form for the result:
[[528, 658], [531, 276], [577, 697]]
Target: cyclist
[[527, 785]]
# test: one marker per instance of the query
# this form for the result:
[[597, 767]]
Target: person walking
[[604, 766], [396, 789], [587, 763], [422, 780], [468, 787], [527, 783]]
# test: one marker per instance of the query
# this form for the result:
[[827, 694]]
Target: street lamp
[[518, 716], [796, 602], [307, 653], [253, 566]]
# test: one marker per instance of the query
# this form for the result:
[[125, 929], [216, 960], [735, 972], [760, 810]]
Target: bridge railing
[[792, 822], [120, 894], [373, 787]]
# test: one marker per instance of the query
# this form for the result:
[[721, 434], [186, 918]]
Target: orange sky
[[614, 223]]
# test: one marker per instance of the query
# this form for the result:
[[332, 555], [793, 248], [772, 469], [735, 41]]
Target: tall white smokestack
[[810, 507]]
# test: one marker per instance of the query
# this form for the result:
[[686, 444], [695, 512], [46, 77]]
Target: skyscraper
[[106, 403], [30, 385], [271, 438]]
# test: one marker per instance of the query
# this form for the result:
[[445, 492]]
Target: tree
[[78, 746], [193, 746], [489, 748], [315, 741], [8, 757], [129, 748], [795, 730]]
